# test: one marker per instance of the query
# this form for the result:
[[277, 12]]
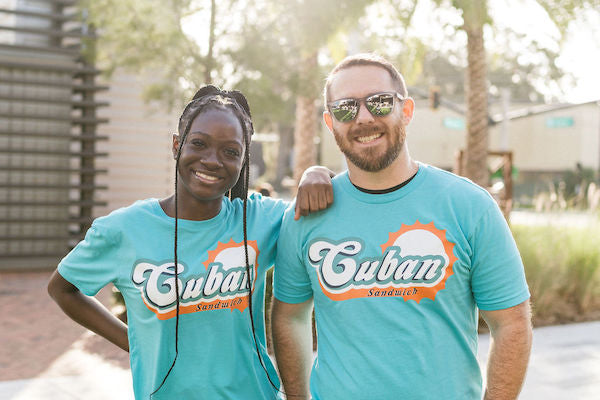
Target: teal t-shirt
[[397, 279], [133, 248]]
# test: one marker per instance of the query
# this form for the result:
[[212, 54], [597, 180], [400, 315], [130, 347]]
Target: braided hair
[[205, 98]]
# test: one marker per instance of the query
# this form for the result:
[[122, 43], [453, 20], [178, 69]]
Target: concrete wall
[[139, 162]]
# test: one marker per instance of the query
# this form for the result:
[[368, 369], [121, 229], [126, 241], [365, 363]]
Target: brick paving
[[46, 356], [35, 333]]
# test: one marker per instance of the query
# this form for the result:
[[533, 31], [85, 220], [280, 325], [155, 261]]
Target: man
[[397, 267]]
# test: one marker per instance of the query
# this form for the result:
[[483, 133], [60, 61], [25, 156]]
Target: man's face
[[370, 143]]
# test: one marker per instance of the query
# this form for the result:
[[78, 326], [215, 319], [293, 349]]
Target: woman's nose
[[211, 160]]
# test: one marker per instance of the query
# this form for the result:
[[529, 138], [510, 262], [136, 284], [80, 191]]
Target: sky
[[580, 53]]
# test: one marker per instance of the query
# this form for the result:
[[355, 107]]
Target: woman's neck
[[191, 209]]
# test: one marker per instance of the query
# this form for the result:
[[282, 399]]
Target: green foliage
[[562, 265], [145, 37], [562, 12], [272, 51]]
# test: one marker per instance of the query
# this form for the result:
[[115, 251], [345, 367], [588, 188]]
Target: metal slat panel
[[33, 49], [72, 137], [74, 103], [36, 14], [71, 119], [46, 32]]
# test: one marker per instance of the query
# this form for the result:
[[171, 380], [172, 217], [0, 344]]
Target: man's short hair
[[366, 59]]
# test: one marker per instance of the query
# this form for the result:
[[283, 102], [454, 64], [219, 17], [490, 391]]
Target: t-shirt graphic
[[415, 263], [223, 285]]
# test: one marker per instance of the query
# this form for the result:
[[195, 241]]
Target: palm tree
[[475, 16], [305, 128], [317, 22]]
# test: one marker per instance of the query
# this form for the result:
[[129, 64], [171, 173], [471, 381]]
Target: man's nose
[[364, 116]]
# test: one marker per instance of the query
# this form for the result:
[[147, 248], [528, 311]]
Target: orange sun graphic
[[424, 291]]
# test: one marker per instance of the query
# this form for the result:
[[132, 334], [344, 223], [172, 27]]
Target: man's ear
[[328, 120], [408, 108], [175, 146]]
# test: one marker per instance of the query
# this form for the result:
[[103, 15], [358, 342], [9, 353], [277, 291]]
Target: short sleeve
[[95, 261], [497, 273], [291, 283], [269, 210]]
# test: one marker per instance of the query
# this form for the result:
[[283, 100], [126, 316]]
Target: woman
[[209, 341]]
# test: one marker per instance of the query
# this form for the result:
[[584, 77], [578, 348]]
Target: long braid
[[176, 282], [241, 187], [186, 124], [204, 97], [246, 178]]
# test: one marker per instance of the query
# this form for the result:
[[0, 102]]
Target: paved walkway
[[564, 364], [44, 356]]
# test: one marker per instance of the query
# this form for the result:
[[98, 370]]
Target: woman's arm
[[87, 311], [315, 192]]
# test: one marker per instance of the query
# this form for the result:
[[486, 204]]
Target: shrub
[[562, 265]]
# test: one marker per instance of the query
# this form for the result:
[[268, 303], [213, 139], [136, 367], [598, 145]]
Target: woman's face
[[212, 155]]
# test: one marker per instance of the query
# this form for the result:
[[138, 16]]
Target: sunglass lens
[[380, 104], [344, 110]]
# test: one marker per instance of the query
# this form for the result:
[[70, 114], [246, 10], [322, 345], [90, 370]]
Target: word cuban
[[338, 268], [157, 283]]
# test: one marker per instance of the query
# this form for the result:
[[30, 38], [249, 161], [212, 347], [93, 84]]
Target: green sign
[[559, 122], [454, 123]]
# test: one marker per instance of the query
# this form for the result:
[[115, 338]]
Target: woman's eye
[[232, 152], [198, 143]]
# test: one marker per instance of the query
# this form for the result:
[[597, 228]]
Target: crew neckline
[[388, 190], [217, 219], [365, 197]]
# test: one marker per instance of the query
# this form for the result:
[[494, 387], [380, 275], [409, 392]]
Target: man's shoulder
[[455, 185]]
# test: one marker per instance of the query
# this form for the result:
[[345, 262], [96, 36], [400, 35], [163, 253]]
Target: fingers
[[313, 201], [329, 195], [319, 198], [302, 205]]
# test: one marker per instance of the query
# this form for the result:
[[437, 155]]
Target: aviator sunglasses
[[378, 104]]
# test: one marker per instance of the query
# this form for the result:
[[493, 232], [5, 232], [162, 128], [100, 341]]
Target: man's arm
[[511, 337], [87, 311], [292, 340]]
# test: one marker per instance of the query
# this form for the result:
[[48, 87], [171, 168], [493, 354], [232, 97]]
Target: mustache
[[366, 130]]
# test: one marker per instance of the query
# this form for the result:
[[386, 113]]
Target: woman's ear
[[175, 146]]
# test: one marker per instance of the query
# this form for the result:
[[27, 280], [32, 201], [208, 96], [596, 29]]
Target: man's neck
[[403, 168]]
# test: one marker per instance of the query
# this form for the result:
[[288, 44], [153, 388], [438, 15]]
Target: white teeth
[[367, 139], [206, 177]]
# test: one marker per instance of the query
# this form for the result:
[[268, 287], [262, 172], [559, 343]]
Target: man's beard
[[367, 159]]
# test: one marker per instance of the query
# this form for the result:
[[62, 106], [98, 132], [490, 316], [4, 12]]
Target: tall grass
[[562, 265]]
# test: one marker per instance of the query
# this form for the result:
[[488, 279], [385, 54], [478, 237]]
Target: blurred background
[[507, 93]]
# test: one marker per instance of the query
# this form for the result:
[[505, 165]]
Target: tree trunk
[[305, 129], [283, 156], [477, 115], [211, 44]]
